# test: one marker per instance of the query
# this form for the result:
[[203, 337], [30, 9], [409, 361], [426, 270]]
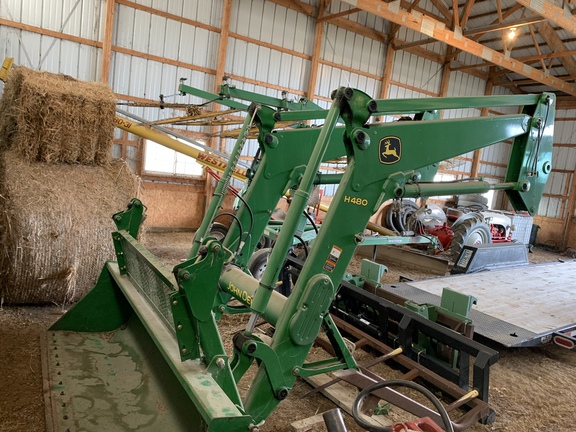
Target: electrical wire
[[237, 195], [301, 240], [397, 383], [311, 221], [232, 215]]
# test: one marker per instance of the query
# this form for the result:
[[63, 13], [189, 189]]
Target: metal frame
[[290, 158]]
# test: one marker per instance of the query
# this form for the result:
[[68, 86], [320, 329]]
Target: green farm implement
[[143, 350]]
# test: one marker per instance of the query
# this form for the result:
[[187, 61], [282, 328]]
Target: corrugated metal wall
[[156, 42], [79, 19]]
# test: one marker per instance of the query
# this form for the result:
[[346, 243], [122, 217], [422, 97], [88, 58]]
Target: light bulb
[[512, 33]]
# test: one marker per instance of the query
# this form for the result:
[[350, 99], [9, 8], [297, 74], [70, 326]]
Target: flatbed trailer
[[516, 307]]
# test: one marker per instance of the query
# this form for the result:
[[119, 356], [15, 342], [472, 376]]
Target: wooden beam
[[569, 217], [505, 15], [219, 143], [107, 41], [269, 45], [297, 6], [455, 14], [445, 81], [395, 27], [413, 88], [167, 15], [556, 44], [483, 113], [338, 15], [466, 13], [443, 9], [503, 26], [223, 45], [161, 59], [387, 72], [474, 66], [352, 26], [482, 30], [438, 31], [427, 54], [547, 56], [48, 32], [551, 12], [350, 69], [318, 33]]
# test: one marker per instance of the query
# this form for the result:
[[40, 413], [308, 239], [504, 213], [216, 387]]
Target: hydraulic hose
[[397, 383]]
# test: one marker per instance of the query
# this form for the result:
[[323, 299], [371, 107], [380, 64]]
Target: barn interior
[[287, 215]]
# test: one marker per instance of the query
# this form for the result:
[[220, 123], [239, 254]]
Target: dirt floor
[[531, 389]]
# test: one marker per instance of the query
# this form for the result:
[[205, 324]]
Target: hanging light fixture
[[512, 33]]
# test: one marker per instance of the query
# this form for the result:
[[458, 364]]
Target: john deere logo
[[390, 150]]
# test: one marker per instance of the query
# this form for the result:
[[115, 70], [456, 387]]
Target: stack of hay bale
[[58, 186]]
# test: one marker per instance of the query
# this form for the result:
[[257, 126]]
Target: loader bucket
[[112, 362]]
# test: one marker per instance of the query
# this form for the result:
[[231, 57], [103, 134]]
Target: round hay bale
[[56, 225]]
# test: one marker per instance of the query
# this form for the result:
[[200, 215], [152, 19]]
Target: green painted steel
[[227, 92], [222, 186], [298, 205], [531, 156], [103, 309], [130, 219], [409, 106], [180, 310], [303, 104], [114, 382], [185, 89]]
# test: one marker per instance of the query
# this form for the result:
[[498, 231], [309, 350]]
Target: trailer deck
[[518, 307]]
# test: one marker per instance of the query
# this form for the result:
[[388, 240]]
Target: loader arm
[[383, 162], [370, 179]]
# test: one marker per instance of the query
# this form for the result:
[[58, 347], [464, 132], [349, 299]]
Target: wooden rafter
[[442, 8], [395, 27], [477, 32], [555, 43], [466, 13], [455, 14], [533, 36], [548, 56], [438, 31], [551, 12], [338, 15]]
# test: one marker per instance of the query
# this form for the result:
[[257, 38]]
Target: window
[[162, 160]]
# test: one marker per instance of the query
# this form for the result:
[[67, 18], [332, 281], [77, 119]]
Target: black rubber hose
[[397, 383], [311, 221]]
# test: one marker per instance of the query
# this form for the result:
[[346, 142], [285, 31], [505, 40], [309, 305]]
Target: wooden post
[[216, 142], [387, 73], [483, 113], [223, 45], [315, 61], [107, 40], [569, 216], [445, 81]]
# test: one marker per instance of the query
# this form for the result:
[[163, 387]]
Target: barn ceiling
[[476, 36]]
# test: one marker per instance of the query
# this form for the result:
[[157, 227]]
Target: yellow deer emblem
[[389, 151]]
